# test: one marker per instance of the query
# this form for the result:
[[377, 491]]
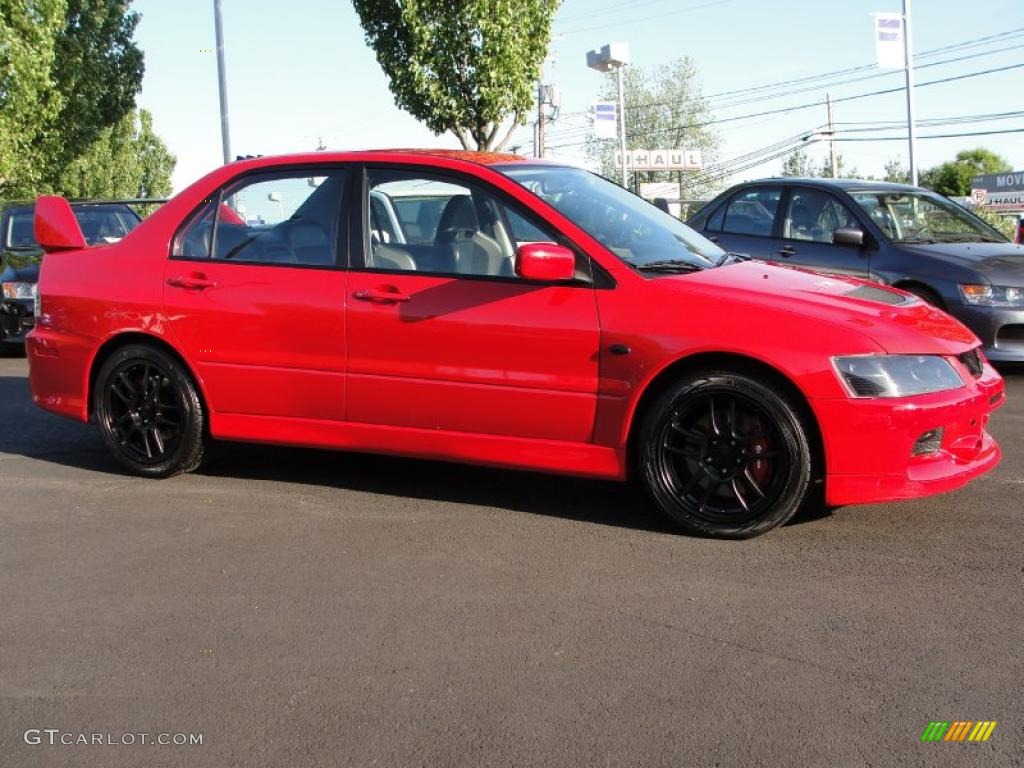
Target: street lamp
[[614, 56]]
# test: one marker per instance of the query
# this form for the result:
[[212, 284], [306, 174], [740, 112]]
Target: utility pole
[[908, 53], [832, 137], [605, 59], [541, 99], [622, 124], [225, 131]]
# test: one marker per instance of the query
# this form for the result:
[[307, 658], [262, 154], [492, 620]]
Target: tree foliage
[[467, 66], [29, 104], [953, 179], [664, 110], [126, 160], [896, 172], [69, 75], [799, 164], [98, 70]]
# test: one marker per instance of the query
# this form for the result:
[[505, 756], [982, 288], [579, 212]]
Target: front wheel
[[724, 455], [149, 412]]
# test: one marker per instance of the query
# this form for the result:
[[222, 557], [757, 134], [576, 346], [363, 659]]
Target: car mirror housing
[[545, 262], [848, 236]]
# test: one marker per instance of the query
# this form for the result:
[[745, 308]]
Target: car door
[[255, 296], [441, 333], [746, 223], [811, 217]]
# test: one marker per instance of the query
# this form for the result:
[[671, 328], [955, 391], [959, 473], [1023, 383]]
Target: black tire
[[725, 455], [926, 295], [149, 413]]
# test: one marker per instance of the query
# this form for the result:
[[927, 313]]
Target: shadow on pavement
[[36, 434]]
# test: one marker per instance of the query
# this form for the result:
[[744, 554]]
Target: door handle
[[787, 251], [197, 281], [712, 238], [380, 295]]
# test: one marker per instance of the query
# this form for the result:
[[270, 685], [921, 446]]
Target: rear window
[[99, 223]]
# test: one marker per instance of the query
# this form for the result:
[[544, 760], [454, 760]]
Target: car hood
[[895, 321], [19, 266], [999, 263]]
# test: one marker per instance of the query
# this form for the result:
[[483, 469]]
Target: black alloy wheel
[[725, 456], [149, 412]]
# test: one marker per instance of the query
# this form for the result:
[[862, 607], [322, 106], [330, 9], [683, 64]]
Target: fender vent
[[972, 362], [871, 293]]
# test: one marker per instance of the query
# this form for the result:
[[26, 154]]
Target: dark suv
[[20, 255], [890, 233]]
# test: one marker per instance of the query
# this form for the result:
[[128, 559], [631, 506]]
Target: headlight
[[896, 375], [19, 290], [992, 295]]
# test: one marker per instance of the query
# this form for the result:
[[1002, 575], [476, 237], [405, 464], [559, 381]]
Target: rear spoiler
[[56, 228]]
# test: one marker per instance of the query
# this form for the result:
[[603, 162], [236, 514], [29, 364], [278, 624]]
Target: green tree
[[98, 72], [953, 179], [843, 172], [126, 160], [896, 172], [467, 66], [799, 165], [664, 110], [29, 103]]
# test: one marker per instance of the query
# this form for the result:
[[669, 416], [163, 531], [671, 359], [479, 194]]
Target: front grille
[[972, 362]]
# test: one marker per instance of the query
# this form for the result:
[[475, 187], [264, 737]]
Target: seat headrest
[[458, 213]]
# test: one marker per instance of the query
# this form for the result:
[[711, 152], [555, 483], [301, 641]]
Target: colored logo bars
[[959, 730]]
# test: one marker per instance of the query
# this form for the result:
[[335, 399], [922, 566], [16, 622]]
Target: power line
[[931, 136], [974, 42], [797, 107]]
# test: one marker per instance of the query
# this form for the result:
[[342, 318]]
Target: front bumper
[[16, 320], [1001, 330], [869, 442]]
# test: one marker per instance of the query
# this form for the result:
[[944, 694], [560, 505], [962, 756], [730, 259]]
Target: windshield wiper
[[668, 265], [731, 256]]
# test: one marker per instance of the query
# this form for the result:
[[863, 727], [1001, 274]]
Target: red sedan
[[497, 310]]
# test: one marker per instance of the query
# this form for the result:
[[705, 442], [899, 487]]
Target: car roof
[[371, 155], [844, 184]]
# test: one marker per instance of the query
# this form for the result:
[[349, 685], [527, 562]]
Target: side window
[[418, 222], [268, 218], [280, 218], [752, 212], [714, 222], [814, 215], [195, 241]]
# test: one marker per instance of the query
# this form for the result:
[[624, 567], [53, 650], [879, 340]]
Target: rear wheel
[[725, 456], [149, 412]]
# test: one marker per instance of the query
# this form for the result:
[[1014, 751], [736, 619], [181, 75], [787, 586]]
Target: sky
[[300, 73]]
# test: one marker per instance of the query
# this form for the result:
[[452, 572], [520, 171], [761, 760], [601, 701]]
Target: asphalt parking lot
[[312, 608]]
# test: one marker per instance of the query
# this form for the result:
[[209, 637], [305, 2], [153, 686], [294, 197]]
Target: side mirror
[[545, 262], [56, 228], [848, 236]]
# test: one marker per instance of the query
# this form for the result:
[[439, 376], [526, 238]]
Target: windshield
[[924, 217], [634, 230]]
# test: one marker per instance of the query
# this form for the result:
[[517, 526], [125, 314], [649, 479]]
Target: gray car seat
[[473, 252]]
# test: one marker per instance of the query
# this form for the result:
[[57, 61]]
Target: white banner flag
[[889, 40], [606, 115]]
